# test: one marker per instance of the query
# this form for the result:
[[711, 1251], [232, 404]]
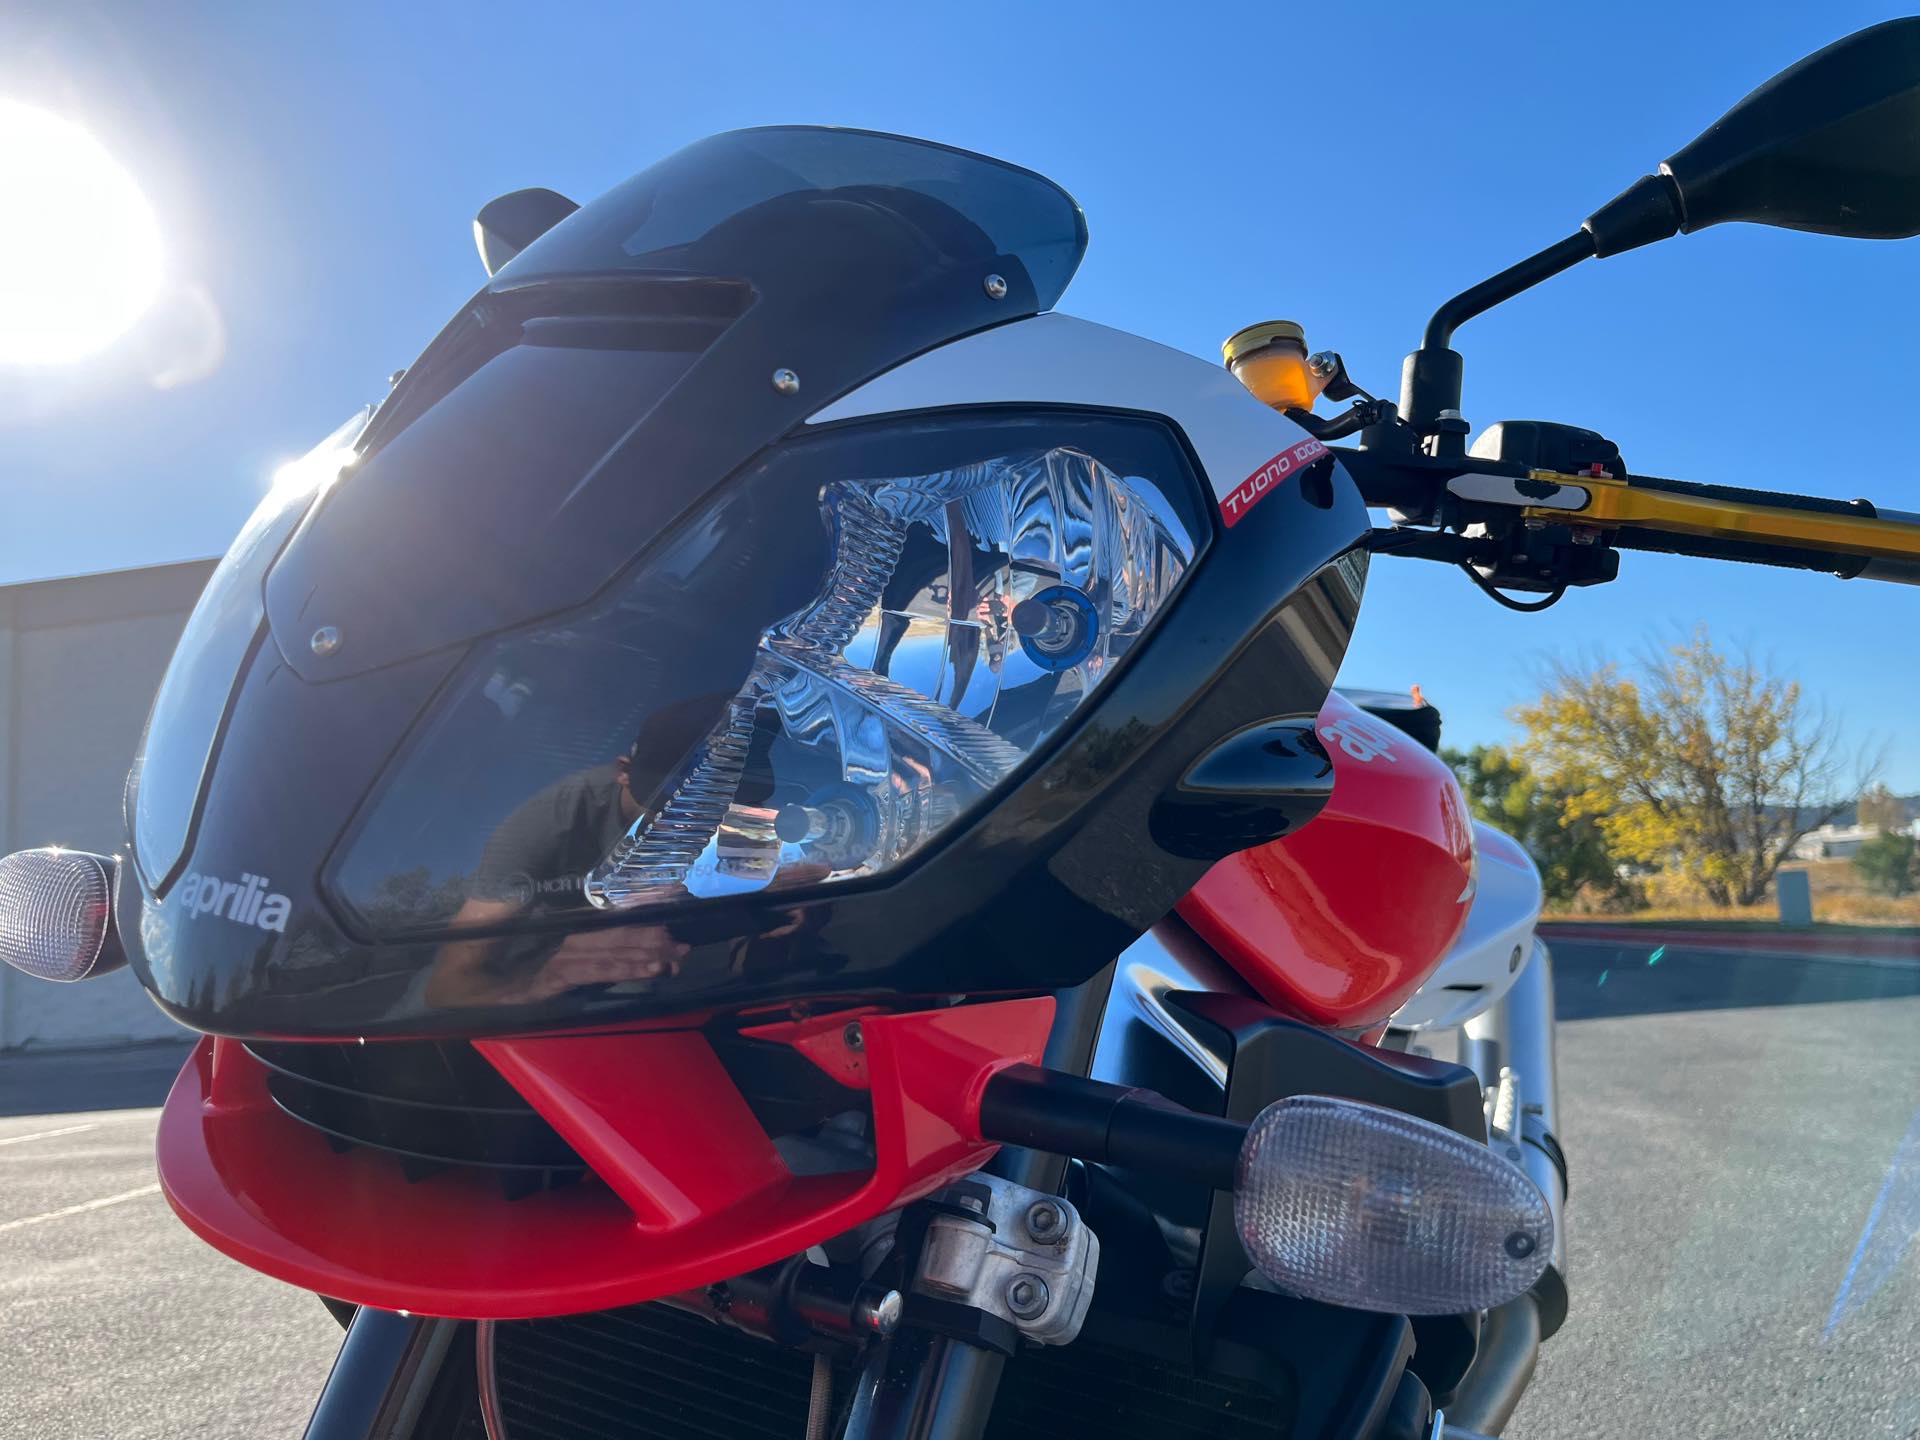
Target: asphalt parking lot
[[114, 1320], [1744, 1133], [1745, 1157]]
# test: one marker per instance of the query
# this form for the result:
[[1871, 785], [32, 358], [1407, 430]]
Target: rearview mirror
[[1831, 144], [506, 226]]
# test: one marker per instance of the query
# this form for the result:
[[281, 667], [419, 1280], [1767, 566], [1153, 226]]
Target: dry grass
[[1838, 899]]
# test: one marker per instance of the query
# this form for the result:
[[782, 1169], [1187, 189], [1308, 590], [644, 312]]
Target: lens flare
[[80, 252]]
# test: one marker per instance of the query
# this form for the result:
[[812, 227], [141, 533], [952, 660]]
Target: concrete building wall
[[80, 659]]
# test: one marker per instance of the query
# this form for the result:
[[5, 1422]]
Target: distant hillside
[[1909, 805]]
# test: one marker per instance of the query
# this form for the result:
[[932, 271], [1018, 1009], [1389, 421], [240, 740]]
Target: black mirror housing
[[506, 226], [1831, 144]]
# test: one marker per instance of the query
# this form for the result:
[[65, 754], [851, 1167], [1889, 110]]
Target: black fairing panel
[[1037, 893]]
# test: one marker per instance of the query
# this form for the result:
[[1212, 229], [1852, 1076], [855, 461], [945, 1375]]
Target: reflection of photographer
[[535, 864], [537, 859]]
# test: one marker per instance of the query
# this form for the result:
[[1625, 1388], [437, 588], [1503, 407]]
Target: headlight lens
[[808, 681]]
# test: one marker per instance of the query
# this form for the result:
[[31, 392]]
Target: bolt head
[[1046, 1222], [995, 286], [1520, 1244], [1027, 1296], [853, 1037], [881, 1314], [786, 382], [325, 640]]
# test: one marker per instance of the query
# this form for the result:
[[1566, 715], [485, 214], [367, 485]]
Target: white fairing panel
[[1058, 360], [1497, 939]]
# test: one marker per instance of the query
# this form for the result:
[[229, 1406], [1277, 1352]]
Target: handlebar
[[1849, 537], [1493, 499]]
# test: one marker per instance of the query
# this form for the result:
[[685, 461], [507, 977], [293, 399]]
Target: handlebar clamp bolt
[[1046, 1223], [1027, 1296]]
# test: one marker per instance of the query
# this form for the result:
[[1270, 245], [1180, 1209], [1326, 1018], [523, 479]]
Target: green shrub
[[1888, 866]]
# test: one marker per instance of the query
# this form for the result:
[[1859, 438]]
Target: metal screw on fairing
[[853, 1037], [325, 640], [995, 286], [786, 382], [1027, 1296]]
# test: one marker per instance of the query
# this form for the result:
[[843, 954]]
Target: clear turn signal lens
[[1371, 1209], [56, 914]]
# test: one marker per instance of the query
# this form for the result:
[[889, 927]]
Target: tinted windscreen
[[623, 366], [677, 215]]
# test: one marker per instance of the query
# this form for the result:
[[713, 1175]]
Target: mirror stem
[[1430, 381], [1475, 300]]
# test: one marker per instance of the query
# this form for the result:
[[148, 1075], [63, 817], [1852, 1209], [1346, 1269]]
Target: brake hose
[[820, 1399], [491, 1418]]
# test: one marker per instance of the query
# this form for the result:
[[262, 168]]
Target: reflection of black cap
[[668, 735]]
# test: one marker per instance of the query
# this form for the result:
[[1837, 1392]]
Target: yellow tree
[[1881, 809], [1691, 759]]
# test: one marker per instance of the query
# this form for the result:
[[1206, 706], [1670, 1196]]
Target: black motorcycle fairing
[[624, 365], [1028, 894]]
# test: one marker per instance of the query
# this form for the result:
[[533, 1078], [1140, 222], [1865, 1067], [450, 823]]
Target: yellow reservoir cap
[[1270, 359]]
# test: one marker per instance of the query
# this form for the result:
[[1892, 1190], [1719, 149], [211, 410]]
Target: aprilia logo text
[[248, 902]]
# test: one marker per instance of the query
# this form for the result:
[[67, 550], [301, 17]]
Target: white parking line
[[81, 1208], [46, 1134]]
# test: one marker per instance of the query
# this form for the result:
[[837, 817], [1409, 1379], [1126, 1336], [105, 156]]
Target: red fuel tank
[[1339, 922]]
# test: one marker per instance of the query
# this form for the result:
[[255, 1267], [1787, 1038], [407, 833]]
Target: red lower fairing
[[684, 1187]]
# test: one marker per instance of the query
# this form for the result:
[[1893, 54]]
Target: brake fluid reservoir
[[1270, 359]]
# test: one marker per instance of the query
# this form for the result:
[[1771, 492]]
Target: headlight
[[807, 681]]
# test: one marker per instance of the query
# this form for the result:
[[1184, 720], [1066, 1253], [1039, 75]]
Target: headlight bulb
[[1057, 626], [837, 827]]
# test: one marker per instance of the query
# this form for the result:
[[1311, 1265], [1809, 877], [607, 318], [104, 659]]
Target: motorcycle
[[767, 845]]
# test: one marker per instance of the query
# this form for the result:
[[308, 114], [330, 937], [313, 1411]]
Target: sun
[[80, 253]]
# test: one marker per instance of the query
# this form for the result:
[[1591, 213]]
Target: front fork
[[390, 1374]]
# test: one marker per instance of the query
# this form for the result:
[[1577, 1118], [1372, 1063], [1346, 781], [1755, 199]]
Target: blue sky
[[315, 170]]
